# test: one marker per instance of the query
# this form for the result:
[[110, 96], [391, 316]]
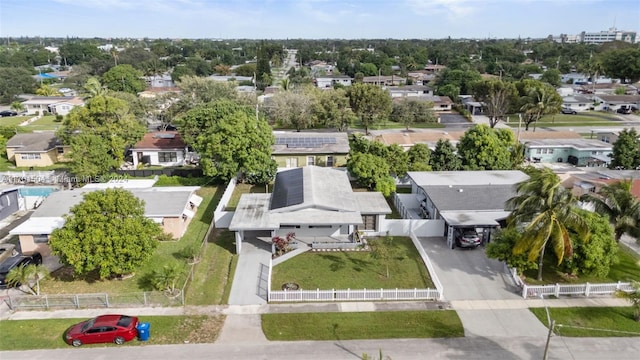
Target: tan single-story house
[[37, 149], [161, 148], [171, 207], [294, 149]]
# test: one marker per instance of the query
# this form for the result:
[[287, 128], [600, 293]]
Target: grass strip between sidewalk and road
[[591, 321], [48, 333], [362, 325]]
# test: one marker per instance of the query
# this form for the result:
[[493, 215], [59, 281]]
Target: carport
[[488, 221]]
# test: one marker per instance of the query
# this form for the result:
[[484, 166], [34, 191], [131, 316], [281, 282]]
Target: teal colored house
[[577, 152]]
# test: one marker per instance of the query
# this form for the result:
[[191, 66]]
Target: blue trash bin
[[143, 331]]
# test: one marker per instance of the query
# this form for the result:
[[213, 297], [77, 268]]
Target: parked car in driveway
[[467, 238], [114, 328], [570, 111], [7, 251], [13, 262], [8, 113], [624, 110]]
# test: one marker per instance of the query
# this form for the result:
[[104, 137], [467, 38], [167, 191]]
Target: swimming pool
[[40, 191]]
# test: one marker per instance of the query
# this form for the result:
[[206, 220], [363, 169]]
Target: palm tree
[[621, 207], [286, 84], [17, 106], [544, 210], [94, 88], [47, 90], [166, 277], [541, 100], [25, 275], [633, 297]]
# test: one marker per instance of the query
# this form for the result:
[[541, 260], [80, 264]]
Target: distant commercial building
[[600, 37]]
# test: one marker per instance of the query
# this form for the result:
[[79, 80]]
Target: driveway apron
[[251, 277], [468, 274]]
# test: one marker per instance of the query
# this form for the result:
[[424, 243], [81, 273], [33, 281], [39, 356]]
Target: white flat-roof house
[[171, 207], [316, 203]]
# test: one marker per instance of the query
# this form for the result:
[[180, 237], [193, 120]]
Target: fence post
[[525, 291], [557, 290], [144, 296], [10, 303], [106, 299], [348, 293], [46, 301], [77, 301], [381, 294], [587, 290], [415, 293]]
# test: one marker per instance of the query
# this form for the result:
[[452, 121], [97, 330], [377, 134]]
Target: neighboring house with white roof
[[61, 105], [615, 102], [410, 91], [577, 103], [329, 81], [577, 152], [314, 203], [171, 207]]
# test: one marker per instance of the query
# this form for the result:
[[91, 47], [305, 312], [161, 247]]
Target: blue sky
[[314, 19]]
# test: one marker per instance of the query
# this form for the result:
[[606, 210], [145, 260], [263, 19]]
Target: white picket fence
[[354, 295], [586, 289]]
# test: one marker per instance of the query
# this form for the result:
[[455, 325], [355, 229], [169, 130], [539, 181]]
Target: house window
[[330, 161], [60, 150], [165, 157], [288, 226], [319, 226], [30, 156], [41, 238], [311, 160], [291, 162], [538, 151], [369, 222]]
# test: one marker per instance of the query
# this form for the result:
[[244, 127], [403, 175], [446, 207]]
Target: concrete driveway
[[250, 279], [468, 275]]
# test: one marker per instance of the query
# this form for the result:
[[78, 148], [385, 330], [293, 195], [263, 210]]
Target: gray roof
[[470, 197], [486, 177], [319, 143], [34, 142], [576, 99], [466, 218], [578, 144], [322, 197], [159, 202]]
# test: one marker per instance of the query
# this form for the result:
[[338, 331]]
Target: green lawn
[[48, 333], [354, 270], [362, 325], [167, 252], [244, 189], [44, 123], [13, 120], [591, 118], [627, 268], [591, 321]]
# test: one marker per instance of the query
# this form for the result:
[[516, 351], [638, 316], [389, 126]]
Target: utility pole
[[546, 347]]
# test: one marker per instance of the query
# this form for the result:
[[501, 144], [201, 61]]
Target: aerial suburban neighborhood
[[344, 198]]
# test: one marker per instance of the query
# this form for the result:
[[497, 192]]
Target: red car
[[103, 329]]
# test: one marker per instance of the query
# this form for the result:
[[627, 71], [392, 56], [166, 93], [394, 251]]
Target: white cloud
[[453, 8]]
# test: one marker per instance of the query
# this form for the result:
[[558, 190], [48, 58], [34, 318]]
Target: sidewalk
[[319, 307]]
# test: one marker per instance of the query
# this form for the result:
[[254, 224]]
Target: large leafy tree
[[540, 99], [497, 96], [370, 103], [108, 233], [13, 82], [124, 78], [230, 141], [444, 157], [331, 109], [367, 168], [398, 160], [419, 158], [501, 248], [409, 111], [623, 64], [626, 151], [105, 122], [484, 148], [596, 256], [619, 205], [544, 211], [291, 109]]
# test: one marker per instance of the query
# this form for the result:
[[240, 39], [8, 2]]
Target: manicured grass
[[591, 321], [580, 119], [363, 325], [44, 123], [213, 276], [48, 333], [167, 252], [13, 120], [354, 270], [627, 268]]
